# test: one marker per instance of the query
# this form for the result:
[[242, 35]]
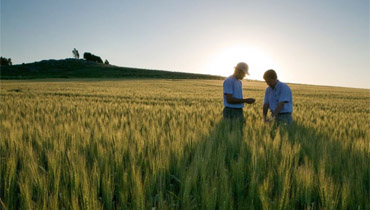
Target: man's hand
[[249, 100], [270, 120]]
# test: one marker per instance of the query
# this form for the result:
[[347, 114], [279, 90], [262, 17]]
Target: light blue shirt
[[280, 93], [233, 86]]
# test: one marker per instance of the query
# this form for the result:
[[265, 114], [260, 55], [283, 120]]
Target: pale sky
[[321, 42]]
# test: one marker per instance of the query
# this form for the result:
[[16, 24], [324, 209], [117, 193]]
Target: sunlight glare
[[223, 62]]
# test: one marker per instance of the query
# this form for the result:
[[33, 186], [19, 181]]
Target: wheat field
[[162, 144]]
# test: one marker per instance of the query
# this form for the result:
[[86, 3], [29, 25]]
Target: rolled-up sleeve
[[228, 87]]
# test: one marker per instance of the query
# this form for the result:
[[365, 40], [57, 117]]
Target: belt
[[233, 108], [285, 113]]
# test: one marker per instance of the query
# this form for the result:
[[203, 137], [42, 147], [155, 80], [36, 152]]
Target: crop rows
[[143, 144]]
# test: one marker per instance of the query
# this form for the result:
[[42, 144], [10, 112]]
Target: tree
[[75, 53], [91, 57], [87, 56], [106, 62], [98, 59], [5, 61]]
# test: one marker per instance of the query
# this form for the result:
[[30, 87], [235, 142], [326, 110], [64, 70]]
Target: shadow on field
[[211, 173], [234, 168], [341, 172]]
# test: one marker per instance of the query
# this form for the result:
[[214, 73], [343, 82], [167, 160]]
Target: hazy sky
[[323, 42]]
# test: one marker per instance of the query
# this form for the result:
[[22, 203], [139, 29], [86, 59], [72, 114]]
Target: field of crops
[[162, 144]]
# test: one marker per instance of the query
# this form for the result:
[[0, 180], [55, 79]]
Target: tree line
[[89, 57], [5, 61]]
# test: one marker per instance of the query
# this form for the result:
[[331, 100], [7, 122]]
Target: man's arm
[[265, 110], [278, 108], [284, 98], [231, 100]]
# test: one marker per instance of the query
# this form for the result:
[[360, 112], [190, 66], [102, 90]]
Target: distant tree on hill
[[106, 62], [75, 53], [5, 61], [91, 57]]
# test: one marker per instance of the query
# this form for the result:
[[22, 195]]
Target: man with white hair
[[233, 93]]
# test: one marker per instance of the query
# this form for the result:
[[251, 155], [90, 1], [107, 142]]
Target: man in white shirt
[[233, 93]]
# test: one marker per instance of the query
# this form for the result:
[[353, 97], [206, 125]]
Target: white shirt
[[233, 86]]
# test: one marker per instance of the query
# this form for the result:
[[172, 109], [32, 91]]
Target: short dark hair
[[270, 74]]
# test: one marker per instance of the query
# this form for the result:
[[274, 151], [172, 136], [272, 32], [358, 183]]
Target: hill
[[78, 68]]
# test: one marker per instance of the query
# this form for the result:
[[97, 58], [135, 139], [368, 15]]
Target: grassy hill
[[78, 68]]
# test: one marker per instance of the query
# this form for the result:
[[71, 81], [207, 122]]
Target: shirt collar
[[277, 84]]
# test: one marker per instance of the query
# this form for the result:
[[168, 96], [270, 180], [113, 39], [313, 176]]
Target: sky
[[319, 42]]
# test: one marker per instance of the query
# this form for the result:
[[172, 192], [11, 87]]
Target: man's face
[[241, 74], [271, 82]]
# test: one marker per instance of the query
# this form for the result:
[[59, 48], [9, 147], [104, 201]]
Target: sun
[[223, 62]]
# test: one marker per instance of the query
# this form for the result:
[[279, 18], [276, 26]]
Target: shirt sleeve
[[285, 94], [266, 100], [228, 87]]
